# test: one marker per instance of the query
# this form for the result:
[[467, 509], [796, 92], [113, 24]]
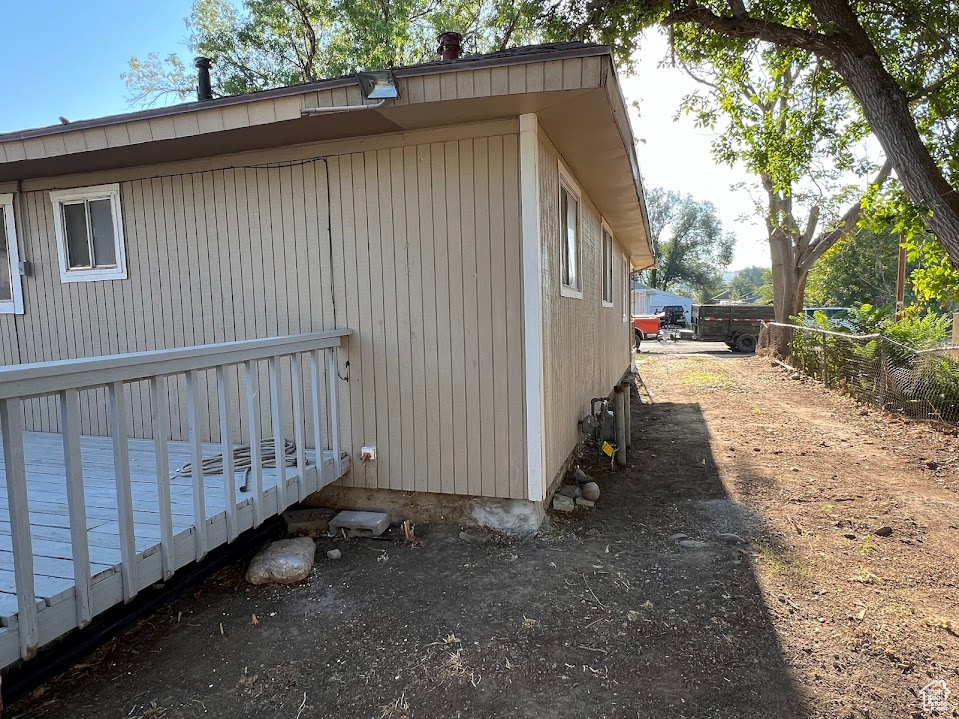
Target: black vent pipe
[[204, 91]]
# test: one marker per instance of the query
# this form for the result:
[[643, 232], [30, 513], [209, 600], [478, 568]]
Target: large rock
[[562, 503], [284, 562], [591, 491], [570, 490]]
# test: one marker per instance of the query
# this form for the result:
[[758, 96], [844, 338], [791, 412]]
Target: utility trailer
[[736, 325]]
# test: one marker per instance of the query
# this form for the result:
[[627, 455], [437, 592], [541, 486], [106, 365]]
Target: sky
[[65, 58]]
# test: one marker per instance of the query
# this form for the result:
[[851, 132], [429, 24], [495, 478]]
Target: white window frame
[[94, 192], [606, 257], [13, 306], [567, 182]]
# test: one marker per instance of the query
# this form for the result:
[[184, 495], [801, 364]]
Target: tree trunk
[[789, 287], [886, 108]]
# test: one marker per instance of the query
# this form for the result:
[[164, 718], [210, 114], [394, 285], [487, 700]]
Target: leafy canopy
[[689, 241], [272, 43]]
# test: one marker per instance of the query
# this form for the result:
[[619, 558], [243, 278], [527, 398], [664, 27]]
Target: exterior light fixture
[[378, 85]]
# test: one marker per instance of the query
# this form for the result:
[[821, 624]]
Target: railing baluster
[[333, 371], [275, 408], [160, 404], [76, 503], [316, 393], [121, 472], [226, 447], [256, 458], [299, 428], [14, 465], [196, 453]]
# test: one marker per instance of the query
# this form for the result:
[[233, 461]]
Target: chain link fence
[[920, 384]]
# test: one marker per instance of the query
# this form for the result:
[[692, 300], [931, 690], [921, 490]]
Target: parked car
[[673, 316], [841, 318]]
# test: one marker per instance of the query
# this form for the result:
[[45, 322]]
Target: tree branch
[[749, 28], [934, 87], [842, 228]]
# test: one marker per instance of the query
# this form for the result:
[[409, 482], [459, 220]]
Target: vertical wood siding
[[585, 345], [413, 246]]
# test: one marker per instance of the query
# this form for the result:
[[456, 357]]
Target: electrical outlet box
[[368, 454]]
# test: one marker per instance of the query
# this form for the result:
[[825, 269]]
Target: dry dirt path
[[864, 620], [604, 614]]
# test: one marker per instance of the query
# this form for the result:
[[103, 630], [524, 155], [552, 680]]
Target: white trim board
[[532, 305], [13, 306]]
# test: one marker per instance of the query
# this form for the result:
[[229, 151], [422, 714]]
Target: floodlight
[[378, 85]]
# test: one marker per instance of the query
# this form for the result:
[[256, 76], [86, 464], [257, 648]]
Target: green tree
[[779, 115], [690, 245], [748, 282], [860, 269], [899, 60], [271, 43]]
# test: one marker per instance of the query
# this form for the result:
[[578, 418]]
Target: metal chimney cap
[[202, 63], [450, 45]]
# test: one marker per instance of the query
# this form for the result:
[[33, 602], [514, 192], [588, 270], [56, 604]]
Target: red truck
[[645, 327]]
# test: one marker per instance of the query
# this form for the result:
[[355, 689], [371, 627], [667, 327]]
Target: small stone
[[693, 544], [679, 536], [580, 501], [580, 476], [794, 469], [592, 532], [849, 535], [334, 554], [932, 464], [570, 490], [883, 532], [591, 491], [729, 538], [284, 562], [562, 503], [795, 375]]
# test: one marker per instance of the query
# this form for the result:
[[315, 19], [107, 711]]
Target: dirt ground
[[605, 614]]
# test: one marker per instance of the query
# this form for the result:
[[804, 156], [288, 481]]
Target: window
[[89, 231], [11, 293], [607, 267], [569, 236]]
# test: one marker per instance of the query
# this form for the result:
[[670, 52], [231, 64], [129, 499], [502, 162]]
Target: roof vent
[[451, 44], [203, 89]]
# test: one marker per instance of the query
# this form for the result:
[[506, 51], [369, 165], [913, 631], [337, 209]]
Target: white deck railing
[[67, 379]]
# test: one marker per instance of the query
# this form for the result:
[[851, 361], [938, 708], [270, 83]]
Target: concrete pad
[[361, 524]]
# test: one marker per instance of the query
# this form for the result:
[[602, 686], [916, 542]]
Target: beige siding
[[585, 345], [413, 244]]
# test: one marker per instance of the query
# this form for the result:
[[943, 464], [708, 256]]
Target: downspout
[[342, 108]]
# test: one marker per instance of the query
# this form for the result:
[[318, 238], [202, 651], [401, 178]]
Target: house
[[647, 300], [419, 278], [726, 298]]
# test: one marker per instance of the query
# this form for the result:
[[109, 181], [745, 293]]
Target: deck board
[[50, 524]]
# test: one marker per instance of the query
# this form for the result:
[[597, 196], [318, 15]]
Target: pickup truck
[[736, 325]]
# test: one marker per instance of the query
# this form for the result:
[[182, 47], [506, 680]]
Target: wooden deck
[[50, 524]]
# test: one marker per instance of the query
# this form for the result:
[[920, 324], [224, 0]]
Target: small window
[[607, 267], [569, 236], [11, 292], [89, 230]]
